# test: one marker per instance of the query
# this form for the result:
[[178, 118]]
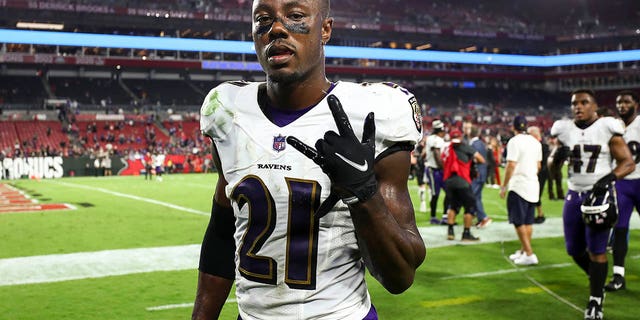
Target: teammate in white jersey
[[288, 150], [594, 143], [627, 188], [434, 166]]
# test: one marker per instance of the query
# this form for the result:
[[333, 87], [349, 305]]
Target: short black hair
[[630, 93], [587, 91]]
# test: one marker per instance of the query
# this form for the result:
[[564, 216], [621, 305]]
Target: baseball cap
[[437, 125], [520, 123], [455, 136]]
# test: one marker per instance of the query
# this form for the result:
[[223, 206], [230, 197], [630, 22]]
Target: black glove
[[601, 186], [347, 161]]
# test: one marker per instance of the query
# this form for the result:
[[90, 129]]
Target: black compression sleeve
[[400, 146], [218, 247]]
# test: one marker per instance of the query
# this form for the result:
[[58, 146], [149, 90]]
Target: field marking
[[538, 284], [171, 306], [553, 294], [16, 201], [129, 196], [180, 305], [98, 264], [450, 302], [535, 289], [505, 271]]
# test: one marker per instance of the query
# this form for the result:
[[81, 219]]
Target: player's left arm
[[508, 173], [621, 153], [388, 237], [437, 155], [377, 195]]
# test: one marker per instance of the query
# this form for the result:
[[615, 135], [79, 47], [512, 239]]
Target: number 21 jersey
[[290, 262]]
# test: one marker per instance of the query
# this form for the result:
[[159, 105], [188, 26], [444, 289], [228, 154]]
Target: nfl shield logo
[[279, 143]]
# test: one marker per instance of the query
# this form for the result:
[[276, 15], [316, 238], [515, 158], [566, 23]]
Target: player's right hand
[[603, 184], [347, 161]]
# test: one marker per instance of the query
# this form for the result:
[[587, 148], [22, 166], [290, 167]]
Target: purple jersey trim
[[372, 315], [282, 117], [435, 180]]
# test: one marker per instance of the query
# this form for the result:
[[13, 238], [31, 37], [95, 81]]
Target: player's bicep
[[619, 149], [392, 173]]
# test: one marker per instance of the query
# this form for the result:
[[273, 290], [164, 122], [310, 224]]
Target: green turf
[[457, 282]]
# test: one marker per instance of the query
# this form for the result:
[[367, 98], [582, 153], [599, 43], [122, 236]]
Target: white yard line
[[506, 271], [129, 196], [180, 305], [540, 285]]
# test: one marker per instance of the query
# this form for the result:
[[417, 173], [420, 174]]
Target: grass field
[[87, 263]]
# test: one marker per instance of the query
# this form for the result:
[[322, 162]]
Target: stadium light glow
[[39, 25], [246, 47], [424, 46]]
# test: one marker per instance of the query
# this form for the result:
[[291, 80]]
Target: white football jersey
[[590, 157], [433, 141], [291, 264], [159, 160], [632, 138]]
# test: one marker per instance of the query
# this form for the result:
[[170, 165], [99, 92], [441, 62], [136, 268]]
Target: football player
[[420, 171], [435, 144], [594, 142], [627, 188], [313, 181]]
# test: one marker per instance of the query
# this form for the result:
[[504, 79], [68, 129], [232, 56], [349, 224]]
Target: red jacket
[[452, 164]]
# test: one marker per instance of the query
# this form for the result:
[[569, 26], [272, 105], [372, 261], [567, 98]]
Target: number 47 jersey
[[589, 148], [291, 261]]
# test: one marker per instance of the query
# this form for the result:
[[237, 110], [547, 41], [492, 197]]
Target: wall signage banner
[[32, 167]]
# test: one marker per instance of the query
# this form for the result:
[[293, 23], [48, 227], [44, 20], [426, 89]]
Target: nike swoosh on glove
[[347, 161]]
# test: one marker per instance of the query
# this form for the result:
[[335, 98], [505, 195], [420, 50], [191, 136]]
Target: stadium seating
[[122, 135], [37, 135], [9, 136]]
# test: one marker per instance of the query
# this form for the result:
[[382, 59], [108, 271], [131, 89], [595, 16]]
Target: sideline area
[[84, 265]]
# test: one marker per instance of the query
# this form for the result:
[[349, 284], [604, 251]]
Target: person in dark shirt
[[543, 173], [458, 158], [477, 143], [554, 164]]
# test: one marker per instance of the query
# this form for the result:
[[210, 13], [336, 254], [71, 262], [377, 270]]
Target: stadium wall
[[58, 167]]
